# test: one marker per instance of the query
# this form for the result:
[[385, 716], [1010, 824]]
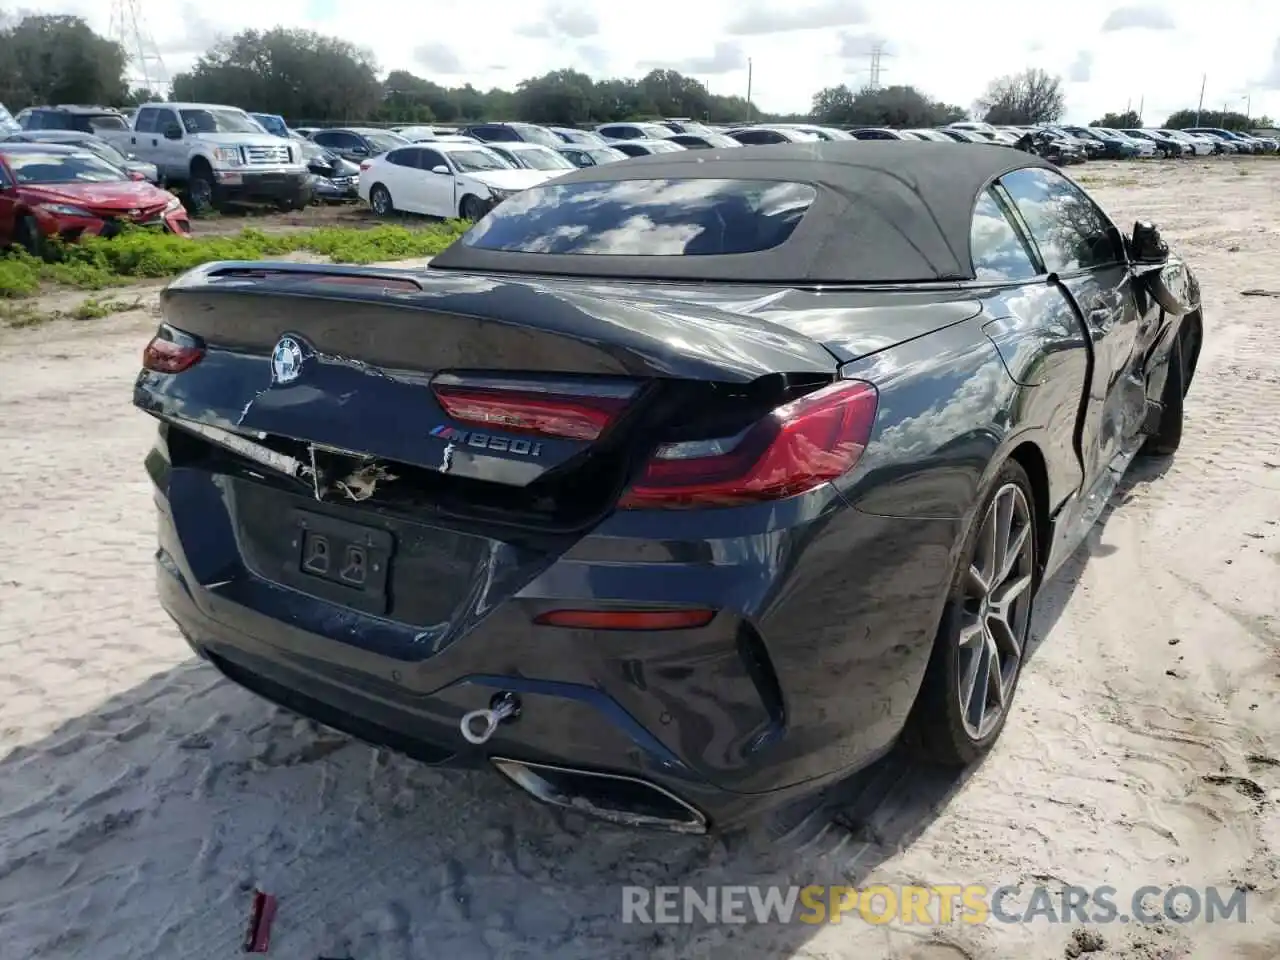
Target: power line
[[129, 29]]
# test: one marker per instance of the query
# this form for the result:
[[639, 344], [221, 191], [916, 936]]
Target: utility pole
[[1248, 111], [877, 55], [1223, 121], [748, 89], [1200, 106], [1142, 103], [129, 29]]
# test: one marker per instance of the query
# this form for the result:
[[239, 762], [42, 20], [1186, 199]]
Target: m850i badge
[[487, 441]]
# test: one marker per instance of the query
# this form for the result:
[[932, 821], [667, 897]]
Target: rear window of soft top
[[650, 218]]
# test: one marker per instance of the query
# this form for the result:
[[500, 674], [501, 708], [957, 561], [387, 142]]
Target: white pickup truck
[[216, 154]]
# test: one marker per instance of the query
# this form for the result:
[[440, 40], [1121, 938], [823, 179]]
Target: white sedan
[[443, 180], [1199, 146]]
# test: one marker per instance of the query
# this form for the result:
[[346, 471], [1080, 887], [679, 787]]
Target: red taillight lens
[[166, 356], [625, 619], [570, 416], [799, 446], [365, 165]]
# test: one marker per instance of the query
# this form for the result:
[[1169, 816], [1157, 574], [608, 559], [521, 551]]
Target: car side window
[[1069, 229], [168, 118], [430, 159], [404, 157], [145, 121], [998, 250]]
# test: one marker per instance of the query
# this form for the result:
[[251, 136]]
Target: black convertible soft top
[[886, 211]]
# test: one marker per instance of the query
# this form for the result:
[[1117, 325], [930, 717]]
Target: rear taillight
[[365, 165], [564, 410], [164, 355], [626, 619], [797, 447]]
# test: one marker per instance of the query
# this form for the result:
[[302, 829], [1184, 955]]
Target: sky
[[1111, 55]]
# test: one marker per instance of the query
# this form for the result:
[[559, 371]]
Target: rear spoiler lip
[[685, 341], [207, 273]]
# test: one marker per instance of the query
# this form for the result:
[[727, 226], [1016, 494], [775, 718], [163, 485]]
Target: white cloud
[[1145, 17], [1081, 67], [945, 49]]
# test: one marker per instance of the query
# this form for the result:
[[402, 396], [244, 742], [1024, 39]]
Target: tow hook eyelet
[[480, 725]]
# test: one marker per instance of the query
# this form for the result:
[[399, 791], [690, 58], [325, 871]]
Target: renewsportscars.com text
[[931, 905]]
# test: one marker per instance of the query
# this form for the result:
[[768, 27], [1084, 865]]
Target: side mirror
[[173, 132], [440, 168], [1146, 245]]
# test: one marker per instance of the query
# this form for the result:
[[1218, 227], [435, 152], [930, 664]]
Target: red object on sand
[[258, 936]]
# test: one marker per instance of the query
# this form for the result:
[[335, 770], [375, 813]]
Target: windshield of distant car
[[271, 124], [106, 151], [382, 142], [605, 154], [663, 146], [205, 120], [584, 137], [538, 157], [655, 218], [531, 133], [478, 160], [30, 167], [416, 133]]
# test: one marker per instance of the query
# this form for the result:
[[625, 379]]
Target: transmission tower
[[129, 29], [877, 54]]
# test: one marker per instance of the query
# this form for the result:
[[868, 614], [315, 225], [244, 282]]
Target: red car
[[68, 192]]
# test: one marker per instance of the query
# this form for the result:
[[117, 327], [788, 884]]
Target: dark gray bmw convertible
[[677, 487]]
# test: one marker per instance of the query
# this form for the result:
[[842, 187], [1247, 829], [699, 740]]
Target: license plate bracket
[[345, 563]]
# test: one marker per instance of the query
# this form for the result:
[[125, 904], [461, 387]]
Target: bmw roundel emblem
[[286, 360]]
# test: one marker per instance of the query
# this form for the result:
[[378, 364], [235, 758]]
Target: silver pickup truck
[[216, 154]]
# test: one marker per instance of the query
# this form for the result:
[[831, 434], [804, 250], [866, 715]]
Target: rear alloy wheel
[[977, 657], [380, 201]]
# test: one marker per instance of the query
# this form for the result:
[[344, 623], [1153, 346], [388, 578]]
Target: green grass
[[97, 264], [19, 314]]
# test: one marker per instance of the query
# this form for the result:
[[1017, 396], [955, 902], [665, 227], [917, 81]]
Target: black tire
[[472, 208], [380, 201], [936, 730], [26, 234], [1166, 440], [202, 190]]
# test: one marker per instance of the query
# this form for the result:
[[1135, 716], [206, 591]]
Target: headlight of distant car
[[499, 193], [64, 210], [173, 205], [228, 155]]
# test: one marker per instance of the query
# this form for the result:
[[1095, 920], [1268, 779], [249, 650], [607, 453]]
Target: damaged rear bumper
[[803, 675]]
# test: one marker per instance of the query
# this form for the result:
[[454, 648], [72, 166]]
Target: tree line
[[308, 77]]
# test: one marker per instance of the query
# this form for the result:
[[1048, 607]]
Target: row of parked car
[[462, 171], [215, 154]]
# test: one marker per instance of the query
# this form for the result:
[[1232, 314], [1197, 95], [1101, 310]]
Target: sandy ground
[[141, 796]]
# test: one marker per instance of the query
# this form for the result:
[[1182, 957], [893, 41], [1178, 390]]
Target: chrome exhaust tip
[[629, 801]]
